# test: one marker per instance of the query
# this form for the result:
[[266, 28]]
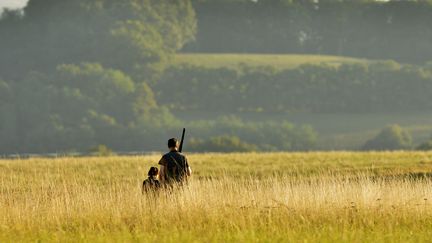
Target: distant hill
[[284, 61]]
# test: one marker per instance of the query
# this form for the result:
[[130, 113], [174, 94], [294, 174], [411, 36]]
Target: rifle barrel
[[182, 140]]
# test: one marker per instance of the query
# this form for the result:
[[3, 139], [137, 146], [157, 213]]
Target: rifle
[[182, 140]]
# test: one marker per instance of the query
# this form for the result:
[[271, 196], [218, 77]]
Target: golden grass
[[277, 61], [326, 197]]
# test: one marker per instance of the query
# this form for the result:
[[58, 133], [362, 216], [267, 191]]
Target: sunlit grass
[[233, 197], [277, 61]]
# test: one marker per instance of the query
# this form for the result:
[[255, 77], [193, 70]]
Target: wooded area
[[397, 30], [76, 74], [349, 88]]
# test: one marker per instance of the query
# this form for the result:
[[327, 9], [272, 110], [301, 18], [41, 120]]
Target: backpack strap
[[178, 167]]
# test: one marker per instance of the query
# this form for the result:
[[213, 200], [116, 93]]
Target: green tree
[[79, 71], [225, 143], [426, 146], [130, 35], [7, 119], [76, 107], [392, 137]]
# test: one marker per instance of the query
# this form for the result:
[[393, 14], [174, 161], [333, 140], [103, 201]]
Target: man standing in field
[[174, 167]]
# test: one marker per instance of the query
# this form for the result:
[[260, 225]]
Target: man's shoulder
[[173, 153]]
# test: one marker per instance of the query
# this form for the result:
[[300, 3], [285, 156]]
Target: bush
[[425, 146], [225, 143], [102, 150], [266, 135], [392, 137]]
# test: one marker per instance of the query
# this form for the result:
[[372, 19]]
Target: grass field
[[286, 61], [274, 197]]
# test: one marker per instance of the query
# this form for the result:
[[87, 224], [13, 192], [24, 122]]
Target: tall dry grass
[[99, 199]]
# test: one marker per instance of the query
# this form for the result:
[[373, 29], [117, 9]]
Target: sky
[[12, 3]]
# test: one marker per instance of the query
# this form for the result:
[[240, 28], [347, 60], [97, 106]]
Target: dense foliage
[[223, 144], [351, 88], [397, 30], [425, 146], [75, 74], [227, 134], [77, 107], [133, 36], [392, 137]]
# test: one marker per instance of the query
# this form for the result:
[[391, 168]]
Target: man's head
[[173, 144]]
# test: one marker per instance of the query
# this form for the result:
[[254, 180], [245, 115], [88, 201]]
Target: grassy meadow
[[278, 61], [268, 197]]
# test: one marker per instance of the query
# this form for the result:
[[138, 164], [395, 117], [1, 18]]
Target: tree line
[[322, 88], [397, 30]]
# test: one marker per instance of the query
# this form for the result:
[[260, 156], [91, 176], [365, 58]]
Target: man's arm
[[189, 171], [162, 173], [188, 168], [162, 169]]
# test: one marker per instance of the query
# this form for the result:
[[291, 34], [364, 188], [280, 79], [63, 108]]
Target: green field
[[277, 61], [270, 197]]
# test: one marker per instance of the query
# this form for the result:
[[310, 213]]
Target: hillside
[[285, 61]]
